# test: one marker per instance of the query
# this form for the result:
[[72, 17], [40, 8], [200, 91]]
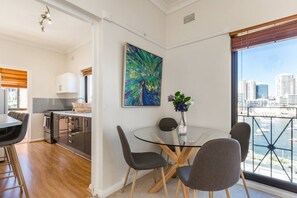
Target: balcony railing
[[273, 142]]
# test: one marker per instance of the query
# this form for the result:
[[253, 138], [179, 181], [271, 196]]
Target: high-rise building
[[261, 91], [251, 90], [247, 90], [285, 85]]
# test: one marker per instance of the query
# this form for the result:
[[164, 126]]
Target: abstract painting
[[142, 77]]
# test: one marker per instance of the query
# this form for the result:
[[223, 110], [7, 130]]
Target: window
[[264, 94], [87, 73], [17, 99], [88, 88]]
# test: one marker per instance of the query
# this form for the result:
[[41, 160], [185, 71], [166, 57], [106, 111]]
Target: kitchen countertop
[[73, 113]]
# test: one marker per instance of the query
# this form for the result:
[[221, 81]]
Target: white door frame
[[97, 140]]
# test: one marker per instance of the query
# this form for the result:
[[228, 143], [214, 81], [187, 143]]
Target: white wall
[[77, 60], [43, 66], [140, 15], [202, 71], [213, 16], [113, 113]]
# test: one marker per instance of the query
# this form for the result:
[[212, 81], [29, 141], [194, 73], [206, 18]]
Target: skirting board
[[117, 186], [268, 189], [37, 140], [251, 184]]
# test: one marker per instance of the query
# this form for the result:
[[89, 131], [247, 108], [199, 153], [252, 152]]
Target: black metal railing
[[272, 142]]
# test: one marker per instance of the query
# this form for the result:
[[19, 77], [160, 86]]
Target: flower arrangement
[[180, 101]]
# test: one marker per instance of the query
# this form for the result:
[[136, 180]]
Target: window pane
[[17, 98], [23, 99], [12, 98], [90, 93]]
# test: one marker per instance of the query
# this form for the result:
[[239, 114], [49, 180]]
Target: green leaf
[[177, 93], [187, 99]]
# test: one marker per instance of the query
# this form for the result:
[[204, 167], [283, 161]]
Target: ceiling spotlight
[[45, 18]]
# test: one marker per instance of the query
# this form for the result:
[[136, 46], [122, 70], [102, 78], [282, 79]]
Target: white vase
[[182, 127]]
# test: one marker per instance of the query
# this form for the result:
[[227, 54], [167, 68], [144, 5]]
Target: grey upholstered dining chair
[[241, 131], [8, 141], [215, 167], [167, 124], [140, 161]]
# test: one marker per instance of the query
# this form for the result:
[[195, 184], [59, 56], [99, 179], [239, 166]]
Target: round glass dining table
[[185, 146], [195, 136]]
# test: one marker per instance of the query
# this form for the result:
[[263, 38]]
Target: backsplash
[[42, 104]]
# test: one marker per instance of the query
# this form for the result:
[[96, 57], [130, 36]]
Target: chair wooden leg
[[19, 170], [133, 184], [155, 175], [161, 151], [194, 193], [7, 158], [167, 161], [126, 178], [210, 194], [244, 183], [164, 182], [177, 188], [227, 193], [14, 168]]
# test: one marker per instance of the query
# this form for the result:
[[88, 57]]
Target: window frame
[[18, 102]]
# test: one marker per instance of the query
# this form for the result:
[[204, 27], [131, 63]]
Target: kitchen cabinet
[[76, 133], [88, 134], [77, 137], [60, 131], [66, 83]]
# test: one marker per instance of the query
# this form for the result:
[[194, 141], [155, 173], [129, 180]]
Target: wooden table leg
[[168, 175], [180, 158]]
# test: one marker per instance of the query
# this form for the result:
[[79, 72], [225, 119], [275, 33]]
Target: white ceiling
[[19, 20], [169, 6]]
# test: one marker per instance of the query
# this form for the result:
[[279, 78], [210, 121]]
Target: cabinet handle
[[69, 141]]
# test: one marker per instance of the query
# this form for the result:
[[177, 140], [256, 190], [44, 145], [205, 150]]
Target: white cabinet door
[[66, 83]]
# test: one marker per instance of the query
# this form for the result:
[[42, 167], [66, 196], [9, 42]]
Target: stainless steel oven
[[47, 126]]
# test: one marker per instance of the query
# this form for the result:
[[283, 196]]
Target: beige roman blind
[[13, 78], [87, 71], [269, 32]]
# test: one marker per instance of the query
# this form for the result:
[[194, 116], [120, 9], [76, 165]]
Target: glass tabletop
[[195, 136]]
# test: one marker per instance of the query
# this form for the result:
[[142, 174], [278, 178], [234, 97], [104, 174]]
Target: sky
[[263, 63]]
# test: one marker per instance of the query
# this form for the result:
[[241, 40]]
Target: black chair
[[140, 161], [215, 167], [15, 135], [241, 132], [167, 124]]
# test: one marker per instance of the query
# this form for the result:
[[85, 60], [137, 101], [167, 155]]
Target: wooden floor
[[50, 172]]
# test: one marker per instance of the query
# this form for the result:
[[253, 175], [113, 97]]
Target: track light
[[45, 18]]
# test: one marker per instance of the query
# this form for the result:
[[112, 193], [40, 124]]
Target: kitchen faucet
[[78, 100]]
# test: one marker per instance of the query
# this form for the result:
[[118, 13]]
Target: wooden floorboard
[[50, 171]]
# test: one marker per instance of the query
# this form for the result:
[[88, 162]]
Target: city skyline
[[263, 63]]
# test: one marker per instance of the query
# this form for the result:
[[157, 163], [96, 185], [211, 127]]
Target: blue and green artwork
[[142, 77]]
